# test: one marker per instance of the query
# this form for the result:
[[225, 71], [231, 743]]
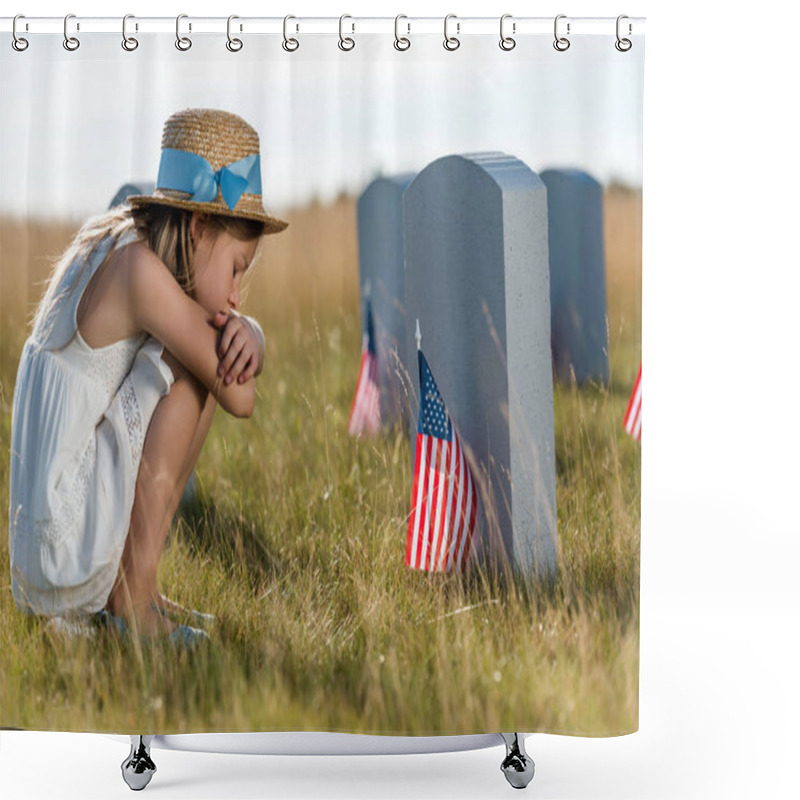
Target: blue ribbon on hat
[[188, 172]]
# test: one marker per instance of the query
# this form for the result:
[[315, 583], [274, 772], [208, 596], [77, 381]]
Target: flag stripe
[[438, 474], [447, 522], [635, 407], [373, 417], [429, 509], [425, 502], [438, 526], [354, 405], [422, 444], [365, 409], [369, 401], [633, 416], [444, 549], [456, 525], [413, 517], [366, 405], [356, 412], [444, 501], [419, 480]]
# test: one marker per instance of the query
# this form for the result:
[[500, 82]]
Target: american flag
[[443, 501], [633, 416], [365, 412]]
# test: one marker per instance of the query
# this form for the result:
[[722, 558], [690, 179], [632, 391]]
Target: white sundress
[[79, 420]]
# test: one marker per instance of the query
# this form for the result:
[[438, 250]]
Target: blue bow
[[188, 172]]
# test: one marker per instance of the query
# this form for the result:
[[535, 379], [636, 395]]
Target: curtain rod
[[460, 26]]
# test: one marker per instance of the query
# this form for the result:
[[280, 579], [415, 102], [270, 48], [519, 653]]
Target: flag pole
[[418, 336]]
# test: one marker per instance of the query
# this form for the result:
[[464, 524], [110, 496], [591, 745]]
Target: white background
[[720, 607]]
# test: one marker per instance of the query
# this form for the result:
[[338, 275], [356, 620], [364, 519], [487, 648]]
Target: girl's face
[[220, 261]]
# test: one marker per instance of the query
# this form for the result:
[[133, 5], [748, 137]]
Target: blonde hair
[[165, 230]]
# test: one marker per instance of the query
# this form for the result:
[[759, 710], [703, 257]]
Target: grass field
[[297, 537]]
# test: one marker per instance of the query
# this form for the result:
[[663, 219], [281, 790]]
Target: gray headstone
[[577, 276], [477, 277], [382, 277], [128, 189]]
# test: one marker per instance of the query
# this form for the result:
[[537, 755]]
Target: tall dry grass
[[297, 535]]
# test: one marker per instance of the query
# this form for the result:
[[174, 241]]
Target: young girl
[[136, 341]]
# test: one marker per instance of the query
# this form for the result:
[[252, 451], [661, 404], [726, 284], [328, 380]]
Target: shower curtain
[[430, 522]]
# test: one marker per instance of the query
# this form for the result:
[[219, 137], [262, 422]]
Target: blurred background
[[324, 131]]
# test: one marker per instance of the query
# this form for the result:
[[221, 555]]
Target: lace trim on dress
[[110, 365], [133, 419]]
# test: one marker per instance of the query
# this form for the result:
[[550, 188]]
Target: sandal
[[195, 617], [183, 636]]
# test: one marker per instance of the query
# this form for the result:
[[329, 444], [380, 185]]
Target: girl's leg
[[173, 441], [191, 460]]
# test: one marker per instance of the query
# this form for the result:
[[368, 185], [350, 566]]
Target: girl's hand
[[240, 347]]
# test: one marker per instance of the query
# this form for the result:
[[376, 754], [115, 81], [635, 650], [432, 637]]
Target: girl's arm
[[160, 307]]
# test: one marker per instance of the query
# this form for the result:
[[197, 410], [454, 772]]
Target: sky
[[75, 126]]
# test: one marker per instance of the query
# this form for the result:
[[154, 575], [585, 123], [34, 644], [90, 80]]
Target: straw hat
[[210, 162]]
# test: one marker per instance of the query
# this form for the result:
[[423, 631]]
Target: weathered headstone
[[382, 277], [475, 240], [128, 189], [577, 276]]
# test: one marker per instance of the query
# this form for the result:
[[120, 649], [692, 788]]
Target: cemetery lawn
[[297, 534]]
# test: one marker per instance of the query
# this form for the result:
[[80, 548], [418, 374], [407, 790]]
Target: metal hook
[[346, 43], [401, 43], [129, 43], [70, 42], [234, 45], [290, 45], [623, 45], [19, 43], [183, 43], [506, 42], [561, 43], [451, 42]]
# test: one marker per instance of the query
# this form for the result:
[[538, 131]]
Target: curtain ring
[[183, 43], [401, 43], [129, 43], [561, 43], [234, 45], [507, 42], [290, 45], [70, 42], [451, 42], [623, 45], [18, 43], [346, 43]]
